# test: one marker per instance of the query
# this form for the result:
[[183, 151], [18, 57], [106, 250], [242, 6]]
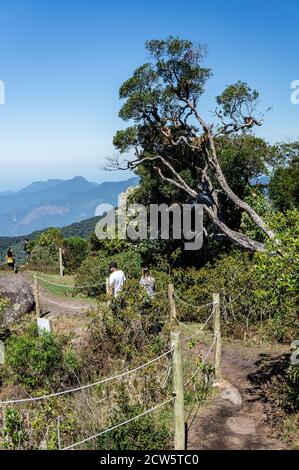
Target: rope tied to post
[[84, 387]]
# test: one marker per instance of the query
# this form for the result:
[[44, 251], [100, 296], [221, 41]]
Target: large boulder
[[20, 297]]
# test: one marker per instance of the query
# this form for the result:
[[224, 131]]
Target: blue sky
[[63, 62]]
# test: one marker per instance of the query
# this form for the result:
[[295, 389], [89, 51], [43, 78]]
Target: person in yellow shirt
[[10, 259]]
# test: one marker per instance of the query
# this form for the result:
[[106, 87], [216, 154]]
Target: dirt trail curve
[[224, 426], [55, 305]]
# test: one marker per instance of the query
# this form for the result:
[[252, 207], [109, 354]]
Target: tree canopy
[[170, 137], [284, 184]]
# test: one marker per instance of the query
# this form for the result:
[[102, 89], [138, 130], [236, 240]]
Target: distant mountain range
[[55, 203]]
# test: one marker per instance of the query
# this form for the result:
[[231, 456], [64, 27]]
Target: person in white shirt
[[116, 279]]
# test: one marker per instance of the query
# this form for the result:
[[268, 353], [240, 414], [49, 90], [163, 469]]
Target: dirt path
[[224, 426], [52, 305]]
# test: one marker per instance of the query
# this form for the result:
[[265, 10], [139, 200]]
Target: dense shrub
[[13, 432], [127, 331], [148, 432], [51, 236], [256, 290], [45, 252], [45, 259], [39, 360], [94, 269], [74, 252]]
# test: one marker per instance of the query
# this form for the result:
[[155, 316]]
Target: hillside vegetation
[[81, 229]]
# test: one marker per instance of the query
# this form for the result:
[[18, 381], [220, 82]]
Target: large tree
[[171, 137]]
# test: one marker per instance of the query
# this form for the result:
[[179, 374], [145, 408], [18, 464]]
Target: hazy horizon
[[64, 62], [118, 176]]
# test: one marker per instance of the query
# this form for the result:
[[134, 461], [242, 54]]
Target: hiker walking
[[148, 282], [116, 279], [10, 259]]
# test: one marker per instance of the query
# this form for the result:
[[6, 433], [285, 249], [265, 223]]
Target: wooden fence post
[[2, 353], [107, 285], [171, 299], [217, 335], [36, 296], [178, 388], [61, 262], [108, 292]]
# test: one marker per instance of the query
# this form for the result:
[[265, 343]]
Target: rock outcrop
[[19, 295]]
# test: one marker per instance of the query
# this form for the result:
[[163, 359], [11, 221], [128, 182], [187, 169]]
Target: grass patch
[[64, 290]]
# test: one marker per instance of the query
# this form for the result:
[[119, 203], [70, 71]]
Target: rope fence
[[202, 363], [151, 410], [71, 307], [174, 367], [197, 307], [188, 338], [84, 387], [69, 286]]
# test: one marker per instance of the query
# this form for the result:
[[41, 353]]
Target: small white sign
[[2, 353], [43, 324]]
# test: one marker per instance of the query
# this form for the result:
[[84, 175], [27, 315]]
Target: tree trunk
[[233, 197], [237, 238]]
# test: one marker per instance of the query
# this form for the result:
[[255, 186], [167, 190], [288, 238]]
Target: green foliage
[[13, 432], [82, 229], [278, 275], [176, 71], [282, 388], [148, 432], [51, 237], [111, 245], [127, 329], [45, 252], [74, 252], [94, 269], [157, 98], [284, 184], [161, 97], [45, 255], [242, 158], [36, 359], [236, 98], [35, 427], [3, 304], [261, 290], [48, 412], [44, 258], [255, 197]]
